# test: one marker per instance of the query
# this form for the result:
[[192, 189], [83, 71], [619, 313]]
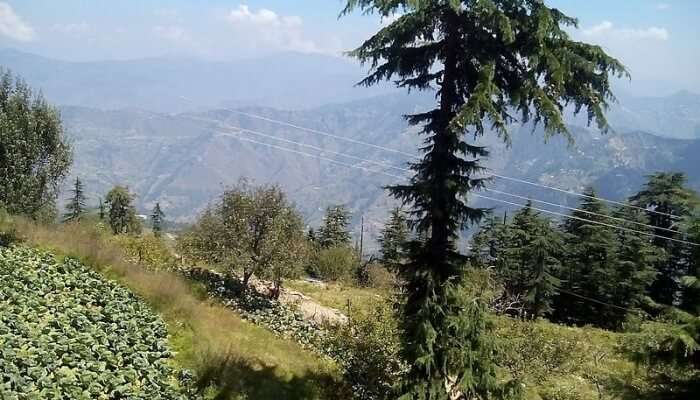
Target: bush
[[368, 350], [8, 233], [334, 263], [378, 276], [147, 250]]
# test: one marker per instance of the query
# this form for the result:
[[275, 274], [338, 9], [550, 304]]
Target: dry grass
[[232, 356], [340, 297]]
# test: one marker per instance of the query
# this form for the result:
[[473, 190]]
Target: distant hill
[[171, 84], [184, 161], [287, 81]]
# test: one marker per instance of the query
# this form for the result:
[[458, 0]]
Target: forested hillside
[[184, 160]]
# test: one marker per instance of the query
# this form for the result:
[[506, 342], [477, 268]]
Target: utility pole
[[362, 236]]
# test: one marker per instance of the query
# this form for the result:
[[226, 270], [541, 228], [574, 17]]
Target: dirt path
[[309, 307]]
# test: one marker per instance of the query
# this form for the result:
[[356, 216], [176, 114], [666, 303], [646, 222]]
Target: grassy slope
[[237, 357], [339, 296], [555, 362]]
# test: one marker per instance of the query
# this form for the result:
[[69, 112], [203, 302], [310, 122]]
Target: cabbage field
[[67, 333]]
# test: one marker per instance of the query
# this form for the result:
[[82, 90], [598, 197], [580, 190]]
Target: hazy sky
[[658, 41]]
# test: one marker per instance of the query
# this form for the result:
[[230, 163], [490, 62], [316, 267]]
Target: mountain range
[[130, 124]]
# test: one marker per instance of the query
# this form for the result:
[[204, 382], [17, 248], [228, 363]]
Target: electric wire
[[518, 180], [233, 127]]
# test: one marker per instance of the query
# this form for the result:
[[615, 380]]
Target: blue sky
[[657, 40]]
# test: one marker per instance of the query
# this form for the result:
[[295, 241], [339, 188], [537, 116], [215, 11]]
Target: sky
[[657, 40]]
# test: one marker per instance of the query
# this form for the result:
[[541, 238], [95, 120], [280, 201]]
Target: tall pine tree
[[588, 277], [666, 194], [334, 231], [393, 238], [691, 282], [489, 60], [76, 204], [536, 249], [637, 257], [157, 220]]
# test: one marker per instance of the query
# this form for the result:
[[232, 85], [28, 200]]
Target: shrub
[[147, 250], [8, 233], [334, 263], [378, 276], [368, 350]]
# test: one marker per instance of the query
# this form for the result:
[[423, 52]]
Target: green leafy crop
[[66, 333]]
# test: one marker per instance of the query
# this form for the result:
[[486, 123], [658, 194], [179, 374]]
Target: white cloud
[[662, 6], [265, 28], [607, 30], [75, 28], [11, 25]]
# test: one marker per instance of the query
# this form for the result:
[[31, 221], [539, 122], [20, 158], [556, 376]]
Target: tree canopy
[[122, 213], [34, 154], [491, 62]]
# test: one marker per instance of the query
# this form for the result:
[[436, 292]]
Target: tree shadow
[[232, 378], [661, 387]]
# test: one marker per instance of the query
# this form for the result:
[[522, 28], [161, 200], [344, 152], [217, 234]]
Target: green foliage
[[637, 257], [67, 333], [591, 267], [691, 282], [489, 60], [393, 238], [122, 214], [157, 220], [667, 194], [252, 228], [368, 349], [334, 263], [147, 250], [76, 204], [334, 231], [34, 153], [526, 253], [8, 233]]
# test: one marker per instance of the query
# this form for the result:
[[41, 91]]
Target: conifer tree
[[535, 249], [122, 214], [488, 243], [637, 257], [76, 204], [667, 194], [691, 282], [591, 267], [489, 61], [393, 238], [101, 209], [157, 220], [334, 231]]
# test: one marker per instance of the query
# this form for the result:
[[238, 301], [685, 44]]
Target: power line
[[583, 195], [311, 155], [318, 132], [309, 146], [474, 194], [408, 170], [580, 210], [587, 220], [594, 300], [539, 185], [485, 197]]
